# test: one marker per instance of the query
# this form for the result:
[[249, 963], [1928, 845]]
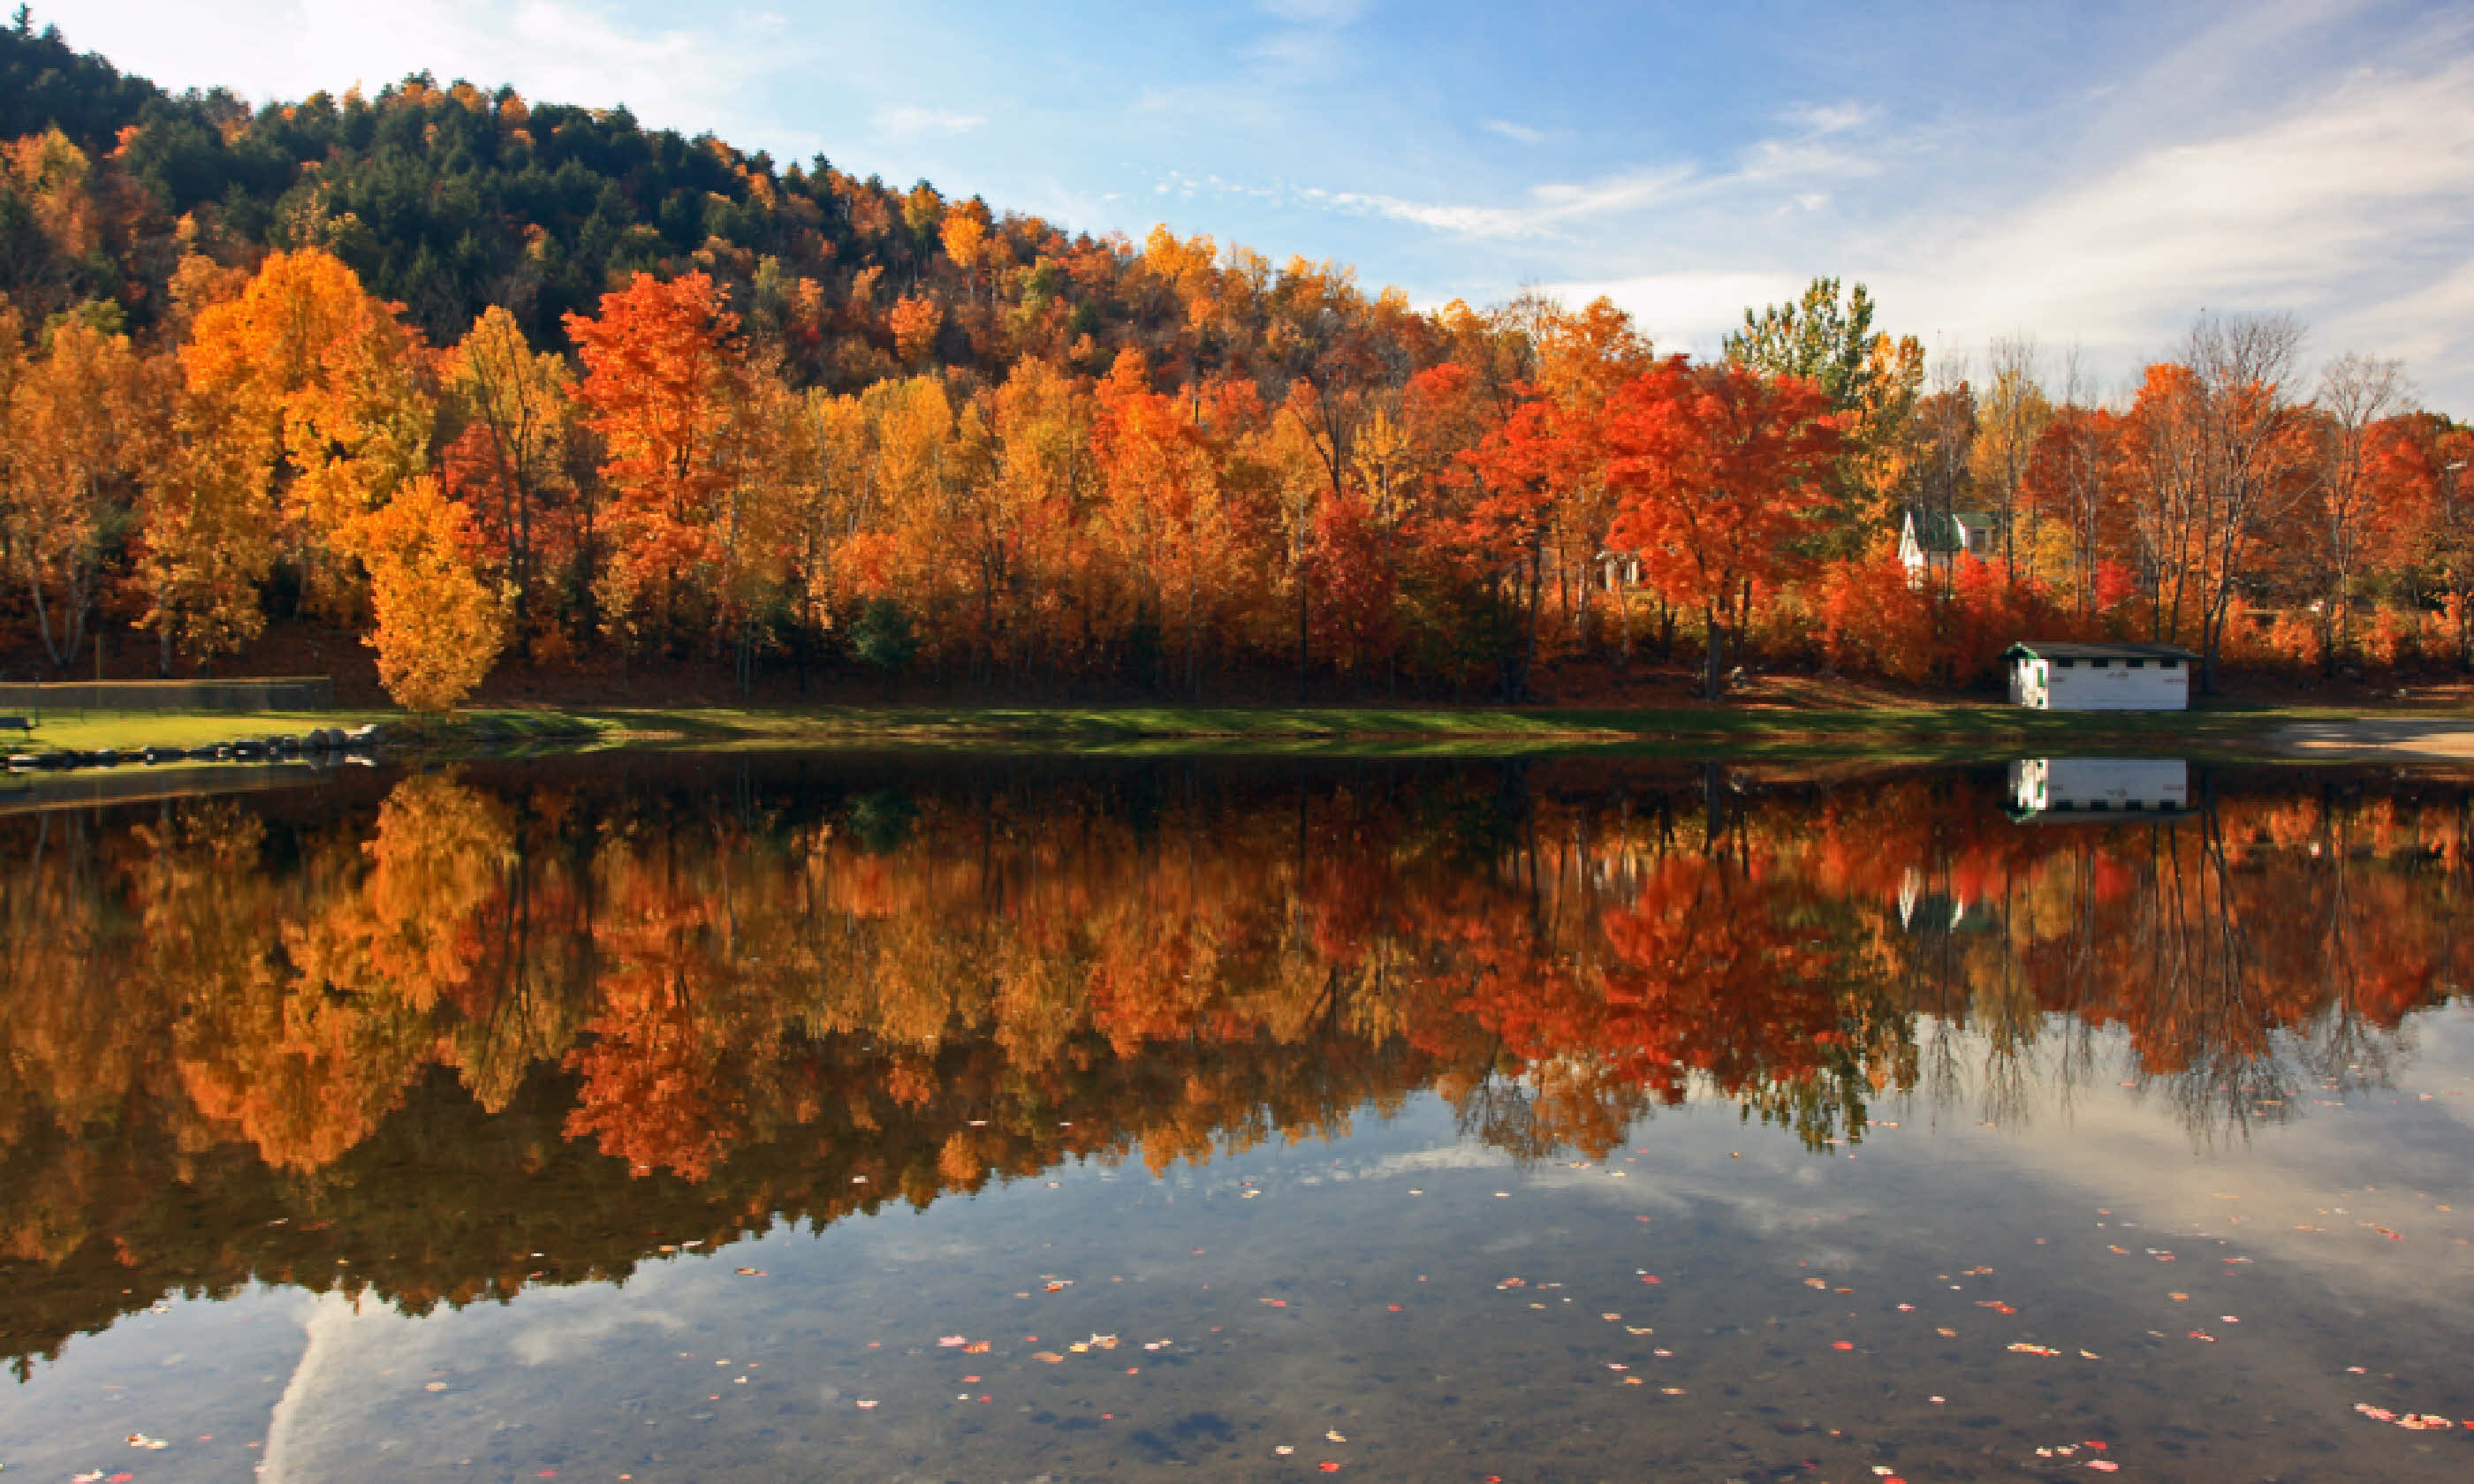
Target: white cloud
[[688, 78], [1315, 13], [2350, 203], [1519, 133], [1831, 118], [909, 122], [1557, 203], [1466, 221], [1686, 309], [1308, 43], [2350, 207]]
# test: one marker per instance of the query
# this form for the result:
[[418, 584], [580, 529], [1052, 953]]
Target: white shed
[[2073, 677]]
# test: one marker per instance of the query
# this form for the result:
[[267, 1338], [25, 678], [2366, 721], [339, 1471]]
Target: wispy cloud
[[1553, 206], [1309, 40], [1519, 133], [1549, 205], [1829, 118], [911, 122], [1686, 309], [2350, 205], [1315, 13], [692, 77], [2362, 195]]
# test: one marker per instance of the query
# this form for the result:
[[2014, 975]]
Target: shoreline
[[2423, 738]]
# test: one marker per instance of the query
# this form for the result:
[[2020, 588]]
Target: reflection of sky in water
[[1365, 1287]]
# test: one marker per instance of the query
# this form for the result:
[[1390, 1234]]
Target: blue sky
[[2091, 174]]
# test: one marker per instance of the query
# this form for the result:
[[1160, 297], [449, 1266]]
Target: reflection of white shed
[[2072, 676], [2084, 787]]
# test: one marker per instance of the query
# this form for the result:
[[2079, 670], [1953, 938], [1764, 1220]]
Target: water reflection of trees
[[580, 1017]]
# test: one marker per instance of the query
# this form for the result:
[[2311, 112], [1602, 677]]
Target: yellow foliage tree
[[321, 387], [438, 628]]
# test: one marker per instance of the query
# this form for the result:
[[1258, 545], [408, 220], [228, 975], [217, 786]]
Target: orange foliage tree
[[663, 384], [1717, 471]]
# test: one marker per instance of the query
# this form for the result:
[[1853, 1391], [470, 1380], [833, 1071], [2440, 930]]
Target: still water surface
[[723, 1120]]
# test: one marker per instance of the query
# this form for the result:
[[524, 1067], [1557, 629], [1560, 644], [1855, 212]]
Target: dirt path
[[2445, 737]]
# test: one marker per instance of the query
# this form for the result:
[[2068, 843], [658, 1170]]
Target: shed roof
[[2072, 649]]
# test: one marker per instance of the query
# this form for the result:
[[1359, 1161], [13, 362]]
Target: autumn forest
[[491, 381]]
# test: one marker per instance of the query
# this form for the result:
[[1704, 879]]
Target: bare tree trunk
[[1712, 675]]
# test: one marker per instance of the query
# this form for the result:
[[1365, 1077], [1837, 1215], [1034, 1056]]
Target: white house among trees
[[1931, 540]]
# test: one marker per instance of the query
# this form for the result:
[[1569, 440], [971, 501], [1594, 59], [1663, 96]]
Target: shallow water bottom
[[1944, 1301]]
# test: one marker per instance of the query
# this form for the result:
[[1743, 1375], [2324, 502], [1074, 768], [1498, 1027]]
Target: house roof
[[2070, 649], [1946, 530]]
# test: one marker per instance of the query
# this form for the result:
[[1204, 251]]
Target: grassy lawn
[[93, 730], [1918, 731]]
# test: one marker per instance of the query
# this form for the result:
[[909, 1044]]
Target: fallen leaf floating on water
[[1333, 1437], [2411, 1422], [865, 1405], [2035, 1350], [953, 1341], [1049, 1355], [751, 1272], [2104, 1466]]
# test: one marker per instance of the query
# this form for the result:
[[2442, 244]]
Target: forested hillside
[[486, 377]]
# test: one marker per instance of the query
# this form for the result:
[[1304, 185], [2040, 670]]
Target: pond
[[725, 1117]]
